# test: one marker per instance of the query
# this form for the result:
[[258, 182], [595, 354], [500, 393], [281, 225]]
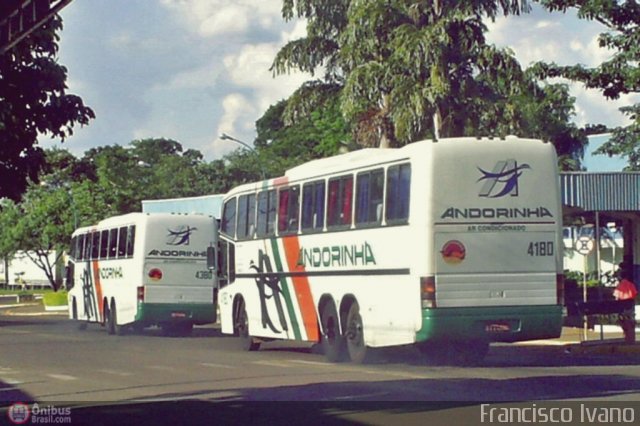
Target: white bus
[[452, 243], [143, 269]]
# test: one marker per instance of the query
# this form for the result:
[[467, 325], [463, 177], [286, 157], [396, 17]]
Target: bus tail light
[[560, 289], [140, 294], [428, 291], [155, 274]]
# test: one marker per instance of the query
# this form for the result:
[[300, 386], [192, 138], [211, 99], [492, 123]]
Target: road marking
[[314, 363], [209, 364], [14, 331], [115, 372], [283, 364], [65, 377], [161, 367]]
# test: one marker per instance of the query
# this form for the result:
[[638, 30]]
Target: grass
[[58, 298]]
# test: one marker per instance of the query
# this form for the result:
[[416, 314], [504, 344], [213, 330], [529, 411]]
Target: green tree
[[616, 76], [33, 101], [408, 70]]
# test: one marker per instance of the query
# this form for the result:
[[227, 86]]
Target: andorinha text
[[352, 255], [491, 213]]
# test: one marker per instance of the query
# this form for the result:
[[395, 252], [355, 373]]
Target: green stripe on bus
[[285, 290]]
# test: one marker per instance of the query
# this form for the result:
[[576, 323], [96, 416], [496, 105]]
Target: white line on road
[[284, 364], [115, 372], [65, 377], [209, 364], [161, 367]]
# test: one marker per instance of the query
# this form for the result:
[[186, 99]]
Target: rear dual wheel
[[112, 320], [338, 346]]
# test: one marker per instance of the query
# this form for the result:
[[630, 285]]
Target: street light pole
[[226, 137]]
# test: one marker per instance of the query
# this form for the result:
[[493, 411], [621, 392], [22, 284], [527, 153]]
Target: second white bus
[[451, 243], [143, 269]]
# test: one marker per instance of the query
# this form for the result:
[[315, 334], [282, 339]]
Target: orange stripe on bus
[[302, 288], [96, 280]]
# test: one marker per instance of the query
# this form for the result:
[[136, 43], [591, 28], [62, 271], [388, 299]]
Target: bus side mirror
[[211, 258]]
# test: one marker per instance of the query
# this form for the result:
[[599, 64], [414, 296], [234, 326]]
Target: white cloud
[[214, 17]]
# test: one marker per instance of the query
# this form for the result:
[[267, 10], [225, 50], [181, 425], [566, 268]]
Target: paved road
[[45, 358]]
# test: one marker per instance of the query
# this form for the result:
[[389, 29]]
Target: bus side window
[[104, 244], [226, 263], [369, 191], [246, 216], [80, 252], [72, 247], [289, 210], [229, 218], [95, 245], [113, 243], [340, 202], [85, 244], [131, 237], [398, 193], [313, 206], [266, 213], [122, 242]]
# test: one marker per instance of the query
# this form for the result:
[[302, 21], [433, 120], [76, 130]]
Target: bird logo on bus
[[180, 236], [502, 180]]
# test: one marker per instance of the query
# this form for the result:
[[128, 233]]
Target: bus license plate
[[178, 315], [497, 327]]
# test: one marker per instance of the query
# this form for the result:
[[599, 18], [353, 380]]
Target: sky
[[190, 70]]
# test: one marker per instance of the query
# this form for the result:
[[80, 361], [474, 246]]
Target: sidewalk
[[609, 341], [31, 309]]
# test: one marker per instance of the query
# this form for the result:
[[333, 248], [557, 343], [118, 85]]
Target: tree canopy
[[33, 101], [408, 70], [619, 75]]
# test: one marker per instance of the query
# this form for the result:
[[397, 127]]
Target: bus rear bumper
[[495, 324], [157, 313]]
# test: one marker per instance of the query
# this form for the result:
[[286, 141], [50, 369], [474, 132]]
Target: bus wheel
[[247, 342], [82, 325], [114, 328], [354, 333], [332, 338]]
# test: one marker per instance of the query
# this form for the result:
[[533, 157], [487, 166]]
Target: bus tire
[[82, 325], [332, 337], [113, 320], [106, 317], [247, 342], [354, 333]]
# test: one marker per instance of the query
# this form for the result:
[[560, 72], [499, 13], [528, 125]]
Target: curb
[[604, 347]]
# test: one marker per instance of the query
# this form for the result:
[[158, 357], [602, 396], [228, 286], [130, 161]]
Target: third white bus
[[143, 269]]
